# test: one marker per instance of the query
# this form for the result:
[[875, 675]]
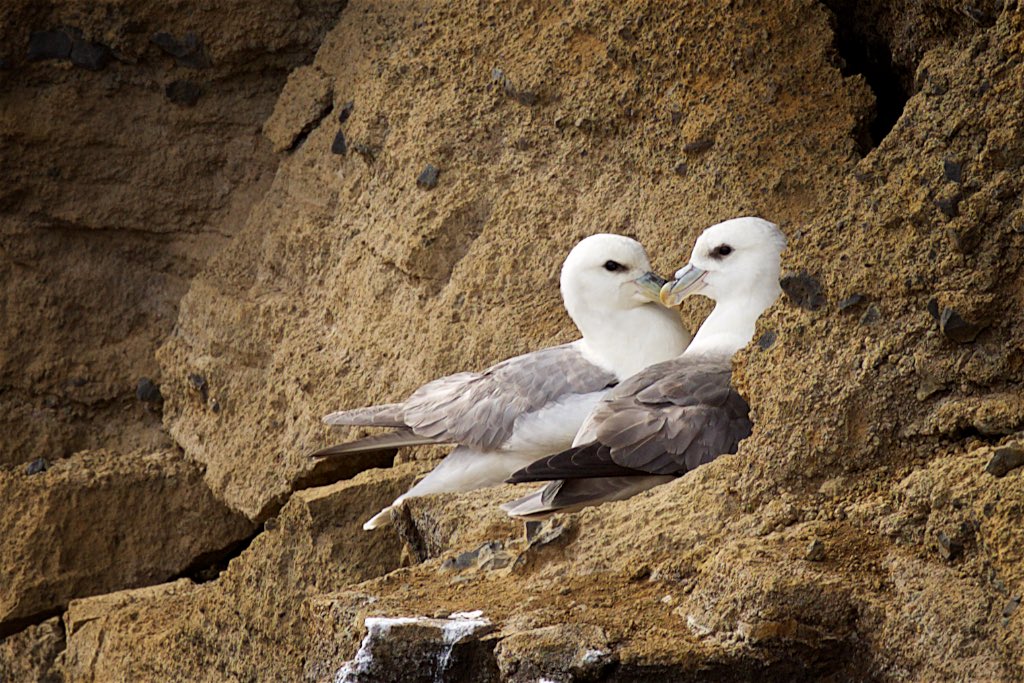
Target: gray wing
[[665, 420], [480, 409]]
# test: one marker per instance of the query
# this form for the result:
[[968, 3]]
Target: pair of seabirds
[[632, 404]]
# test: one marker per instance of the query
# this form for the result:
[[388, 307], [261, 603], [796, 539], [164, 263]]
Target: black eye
[[721, 250], [612, 266]]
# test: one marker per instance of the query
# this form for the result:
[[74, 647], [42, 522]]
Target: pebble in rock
[[346, 111], [1005, 458], [850, 301], [148, 392], [803, 290], [185, 93], [766, 340], [198, 383], [339, 146], [91, 56], [36, 466], [949, 548], [428, 177], [954, 327], [681, 168], [815, 551], [698, 146], [871, 315], [48, 45], [949, 206], [953, 170]]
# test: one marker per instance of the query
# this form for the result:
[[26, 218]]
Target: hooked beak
[[649, 286], [689, 280]]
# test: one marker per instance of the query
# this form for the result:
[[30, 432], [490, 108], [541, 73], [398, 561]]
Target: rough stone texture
[[98, 522], [114, 197], [343, 254], [31, 655], [348, 284], [249, 623], [304, 101]]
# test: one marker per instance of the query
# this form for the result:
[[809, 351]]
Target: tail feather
[[570, 495], [387, 415], [382, 518], [377, 442]]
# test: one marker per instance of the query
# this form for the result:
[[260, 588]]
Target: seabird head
[[738, 258], [609, 272]]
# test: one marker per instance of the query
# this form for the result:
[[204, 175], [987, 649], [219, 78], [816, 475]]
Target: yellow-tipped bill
[[689, 280], [649, 285]]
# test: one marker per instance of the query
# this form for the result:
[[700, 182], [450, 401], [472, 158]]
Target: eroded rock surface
[[100, 521], [856, 535]]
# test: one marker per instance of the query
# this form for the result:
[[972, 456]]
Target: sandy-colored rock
[[119, 183], [249, 624], [32, 654], [557, 652], [345, 251], [303, 103], [102, 521], [888, 144]]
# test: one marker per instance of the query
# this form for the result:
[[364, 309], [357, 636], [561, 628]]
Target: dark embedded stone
[[949, 206], [850, 301], [954, 327], [185, 93], [459, 562], [1011, 606], [148, 392], [949, 548], [627, 34], [698, 146], [933, 308], [215, 406], [36, 466], [803, 290], [346, 111], [1005, 459], [91, 56], [871, 315], [198, 383], [681, 168], [815, 551], [766, 340], [953, 170], [188, 52], [527, 98], [676, 117], [428, 177], [339, 146], [48, 45]]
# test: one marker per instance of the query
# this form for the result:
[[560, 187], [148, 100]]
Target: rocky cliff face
[[214, 230]]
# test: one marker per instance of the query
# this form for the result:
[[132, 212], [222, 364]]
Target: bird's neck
[[627, 341], [730, 326]]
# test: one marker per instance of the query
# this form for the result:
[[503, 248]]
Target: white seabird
[[679, 414], [531, 406]]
